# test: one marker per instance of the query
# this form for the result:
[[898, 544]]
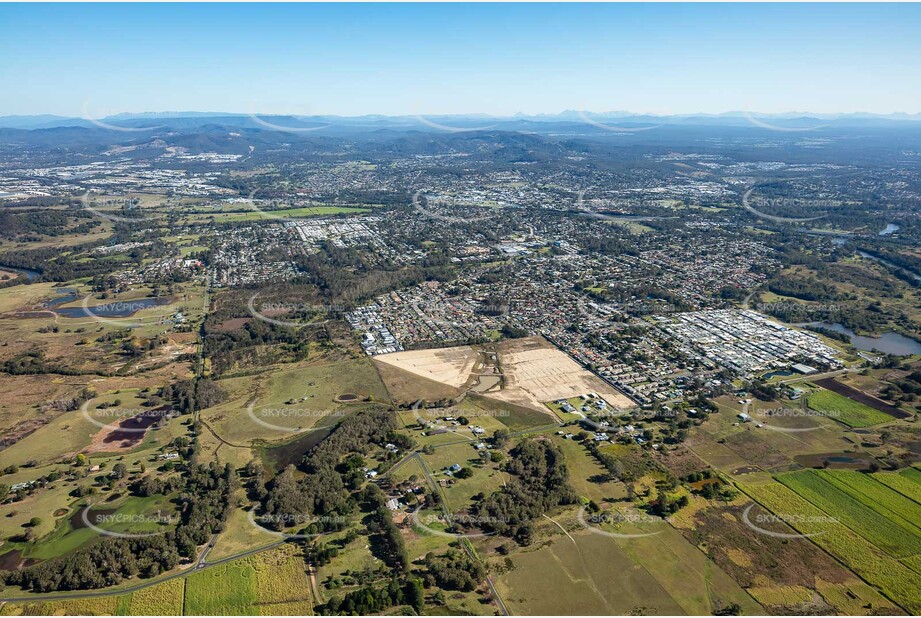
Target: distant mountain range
[[793, 120]]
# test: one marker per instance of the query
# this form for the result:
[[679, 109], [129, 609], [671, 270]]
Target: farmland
[[897, 581], [271, 583], [897, 537], [848, 411]]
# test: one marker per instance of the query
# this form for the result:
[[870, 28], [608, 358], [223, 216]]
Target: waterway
[[30, 274], [888, 342], [112, 309]]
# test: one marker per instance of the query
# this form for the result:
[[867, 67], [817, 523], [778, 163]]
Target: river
[[31, 275]]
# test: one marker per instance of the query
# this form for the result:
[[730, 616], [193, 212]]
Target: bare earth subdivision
[[533, 371]]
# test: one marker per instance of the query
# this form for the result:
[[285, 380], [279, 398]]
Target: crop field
[[273, 583], [282, 587], [914, 474], [879, 497], [897, 581], [851, 413], [891, 534]]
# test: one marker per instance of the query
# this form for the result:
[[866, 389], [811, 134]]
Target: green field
[[896, 580], [882, 499], [847, 411], [903, 482], [590, 573], [892, 534], [228, 589]]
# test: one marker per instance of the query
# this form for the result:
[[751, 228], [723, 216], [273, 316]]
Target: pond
[[891, 228], [68, 295], [781, 373], [888, 343], [112, 309]]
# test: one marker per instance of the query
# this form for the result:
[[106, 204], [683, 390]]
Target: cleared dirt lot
[[536, 371], [533, 371], [450, 366]]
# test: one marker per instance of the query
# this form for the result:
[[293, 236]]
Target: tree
[[414, 595], [119, 471]]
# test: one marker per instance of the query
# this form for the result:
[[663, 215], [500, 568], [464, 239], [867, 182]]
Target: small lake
[[890, 229], [889, 343], [112, 309]]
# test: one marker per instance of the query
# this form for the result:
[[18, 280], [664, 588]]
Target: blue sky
[[459, 58]]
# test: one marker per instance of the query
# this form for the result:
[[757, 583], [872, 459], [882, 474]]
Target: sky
[[94, 60]]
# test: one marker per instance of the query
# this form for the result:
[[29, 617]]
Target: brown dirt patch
[[535, 371]]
